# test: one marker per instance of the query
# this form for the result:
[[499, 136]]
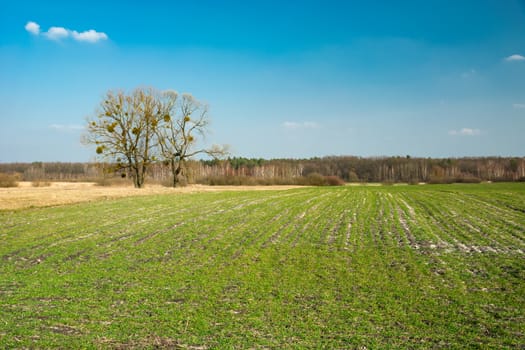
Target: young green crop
[[375, 267]]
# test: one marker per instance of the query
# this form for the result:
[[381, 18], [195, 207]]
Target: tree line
[[349, 168], [373, 169]]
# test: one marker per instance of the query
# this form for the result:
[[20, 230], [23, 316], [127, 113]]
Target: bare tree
[[184, 119], [124, 131]]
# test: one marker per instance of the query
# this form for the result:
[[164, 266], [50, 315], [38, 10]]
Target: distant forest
[[348, 168]]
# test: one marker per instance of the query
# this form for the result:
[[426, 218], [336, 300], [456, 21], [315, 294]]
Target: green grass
[[439, 266]]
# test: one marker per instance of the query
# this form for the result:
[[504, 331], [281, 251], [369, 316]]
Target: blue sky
[[282, 78]]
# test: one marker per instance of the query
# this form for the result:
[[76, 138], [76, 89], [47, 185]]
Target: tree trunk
[[176, 171], [136, 178], [137, 174], [176, 179]]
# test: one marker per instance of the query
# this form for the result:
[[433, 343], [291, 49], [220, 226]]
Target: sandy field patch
[[59, 193]]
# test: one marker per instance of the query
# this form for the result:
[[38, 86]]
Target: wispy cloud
[[66, 128], [465, 132], [33, 28], [59, 33], [519, 105], [300, 125], [515, 57]]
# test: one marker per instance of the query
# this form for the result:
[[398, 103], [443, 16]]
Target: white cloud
[[59, 33], [63, 127], [300, 125], [515, 57], [91, 36], [465, 132], [33, 28], [519, 105]]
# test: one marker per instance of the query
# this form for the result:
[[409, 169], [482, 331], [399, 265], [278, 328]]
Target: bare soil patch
[[60, 193]]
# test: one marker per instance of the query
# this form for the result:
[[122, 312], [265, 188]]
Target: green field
[[435, 266]]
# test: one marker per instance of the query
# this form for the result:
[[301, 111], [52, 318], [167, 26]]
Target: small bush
[[503, 179], [352, 177], [451, 180], [468, 180], [168, 182], [230, 181], [40, 183], [165, 183], [441, 180], [112, 181], [314, 179], [334, 181], [7, 180]]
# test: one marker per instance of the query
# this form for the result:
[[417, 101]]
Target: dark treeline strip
[[348, 168]]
